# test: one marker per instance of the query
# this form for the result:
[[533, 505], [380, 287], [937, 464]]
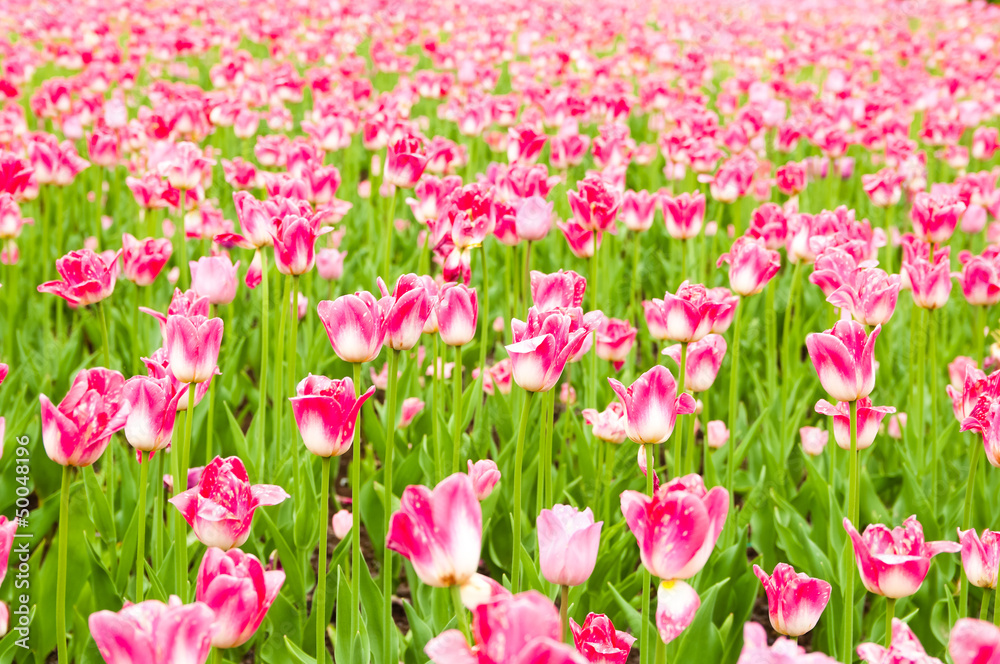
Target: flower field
[[554, 332]]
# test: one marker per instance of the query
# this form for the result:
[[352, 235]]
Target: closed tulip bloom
[[683, 214], [893, 563], [220, 508], [614, 341], [152, 632], [545, 343], [77, 432], [412, 406], [457, 309], [652, 405], [192, 345], [794, 601], [974, 642], [485, 476], [7, 530], [980, 557], [980, 280], [638, 210], [355, 325], [342, 522], [256, 223], [965, 398], [236, 587], [215, 277], [704, 358], [676, 605], [609, 424], [599, 642], [689, 314], [533, 220], [295, 245], [844, 358], [751, 265], [559, 290], [330, 263], [86, 278], [930, 284], [405, 311], [143, 260], [718, 434], [791, 178], [326, 412], [814, 440], [869, 419], [152, 409], [568, 540], [594, 204], [884, 188], [904, 648], [769, 223], [870, 296], [439, 531], [725, 314], [405, 162], [784, 651], [935, 216], [678, 526], [579, 238]]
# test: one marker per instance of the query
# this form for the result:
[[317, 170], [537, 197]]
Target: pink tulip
[[676, 604], [935, 216], [184, 165], [974, 642], [524, 145], [652, 405], [559, 290], [7, 530], [704, 358], [769, 223], [295, 245], [154, 633], [343, 522], [355, 325], [255, 221], [152, 409], [457, 309], [980, 557], [235, 586], [751, 265], [581, 240], [215, 277], [485, 476], [896, 425], [814, 440], [142, 260], [957, 369], [544, 343], [609, 424], [685, 317], [677, 527], [791, 178], [980, 280], [405, 162], [985, 416], [727, 309], [870, 296], [77, 432], [86, 278], [904, 648], [326, 412], [638, 209], [599, 642], [684, 214], [930, 285], [893, 563], [220, 508], [439, 531], [869, 419], [718, 434], [784, 651], [405, 311], [844, 358], [884, 188], [412, 406], [614, 341], [533, 220], [498, 378], [594, 204], [568, 540], [794, 601], [481, 589], [330, 263], [192, 345]]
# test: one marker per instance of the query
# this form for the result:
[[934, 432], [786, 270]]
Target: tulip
[[485, 476], [152, 408], [769, 223], [559, 290], [594, 204], [457, 309], [676, 604], [235, 586], [220, 509], [685, 317], [814, 440], [533, 220], [751, 265], [869, 418], [582, 241], [844, 358], [77, 432], [652, 405], [794, 601], [684, 214], [330, 263], [896, 425], [974, 642], [215, 277], [355, 325], [980, 557], [718, 434], [7, 530], [405, 311], [192, 345], [935, 216], [404, 162], [638, 208], [411, 408], [704, 358], [439, 531], [985, 417], [155, 633], [784, 651], [568, 540], [930, 284], [884, 188], [295, 244], [599, 642], [609, 424], [614, 341], [980, 281], [343, 522], [870, 296], [142, 260], [86, 278], [903, 647], [893, 563], [545, 343], [326, 413]]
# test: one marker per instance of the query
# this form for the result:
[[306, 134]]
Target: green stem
[[920, 386], [977, 337], [564, 614], [61, 578], [936, 439], [679, 434], [279, 368], [389, 232], [180, 481], [890, 611], [996, 607], [98, 191], [136, 351], [526, 286], [216, 655], [984, 609], [733, 405], [457, 414], [324, 534], [786, 341], [265, 304], [293, 350], [390, 444], [548, 424], [644, 627], [356, 514], [109, 470], [977, 451], [159, 527], [140, 555], [485, 311], [438, 405], [180, 239], [592, 286], [460, 613], [852, 508], [684, 262], [771, 336], [515, 566]]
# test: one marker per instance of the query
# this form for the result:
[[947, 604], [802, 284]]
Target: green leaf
[[297, 653]]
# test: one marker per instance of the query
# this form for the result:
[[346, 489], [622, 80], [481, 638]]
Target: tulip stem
[[356, 514], [456, 437], [180, 239], [486, 323], [592, 285], [920, 387], [644, 627], [984, 610], [180, 485], [633, 305], [786, 340], [522, 429], [936, 438], [136, 351], [293, 350], [564, 613], [690, 456], [265, 304], [890, 611], [463, 619], [140, 551], [733, 405], [389, 232], [438, 407], [852, 511], [390, 443], [996, 606], [319, 600], [679, 434], [159, 533], [61, 579], [526, 286], [977, 337], [771, 336], [977, 451], [216, 655], [279, 369], [109, 470], [550, 423]]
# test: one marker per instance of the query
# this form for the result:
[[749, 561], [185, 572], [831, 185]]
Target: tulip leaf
[[297, 653], [106, 595], [156, 590], [529, 570], [701, 641], [289, 560], [126, 555], [753, 501], [419, 631], [632, 616], [100, 509], [240, 440], [8, 645], [345, 613]]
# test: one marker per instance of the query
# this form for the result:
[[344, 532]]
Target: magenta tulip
[[794, 601], [545, 343], [683, 214], [143, 260], [567, 544], [844, 358], [152, 410], [456, 310], [152, 632], [870, 296], [980, 557], [904, 648], [676, 605], [326, 412], [609, 424], [784, 651], [192, 345], [935, 216], [599, 642], [295, 244], [704, 358], [87, 278], [614, 341], [405, 311], [355, 325], [235, 586], [652, 405], [485, 476], [215, 277], [77, 432], [685, 317], [594, 204], [869, 419], [751, 265], [638, 209], [974, 642], [559, 290]]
